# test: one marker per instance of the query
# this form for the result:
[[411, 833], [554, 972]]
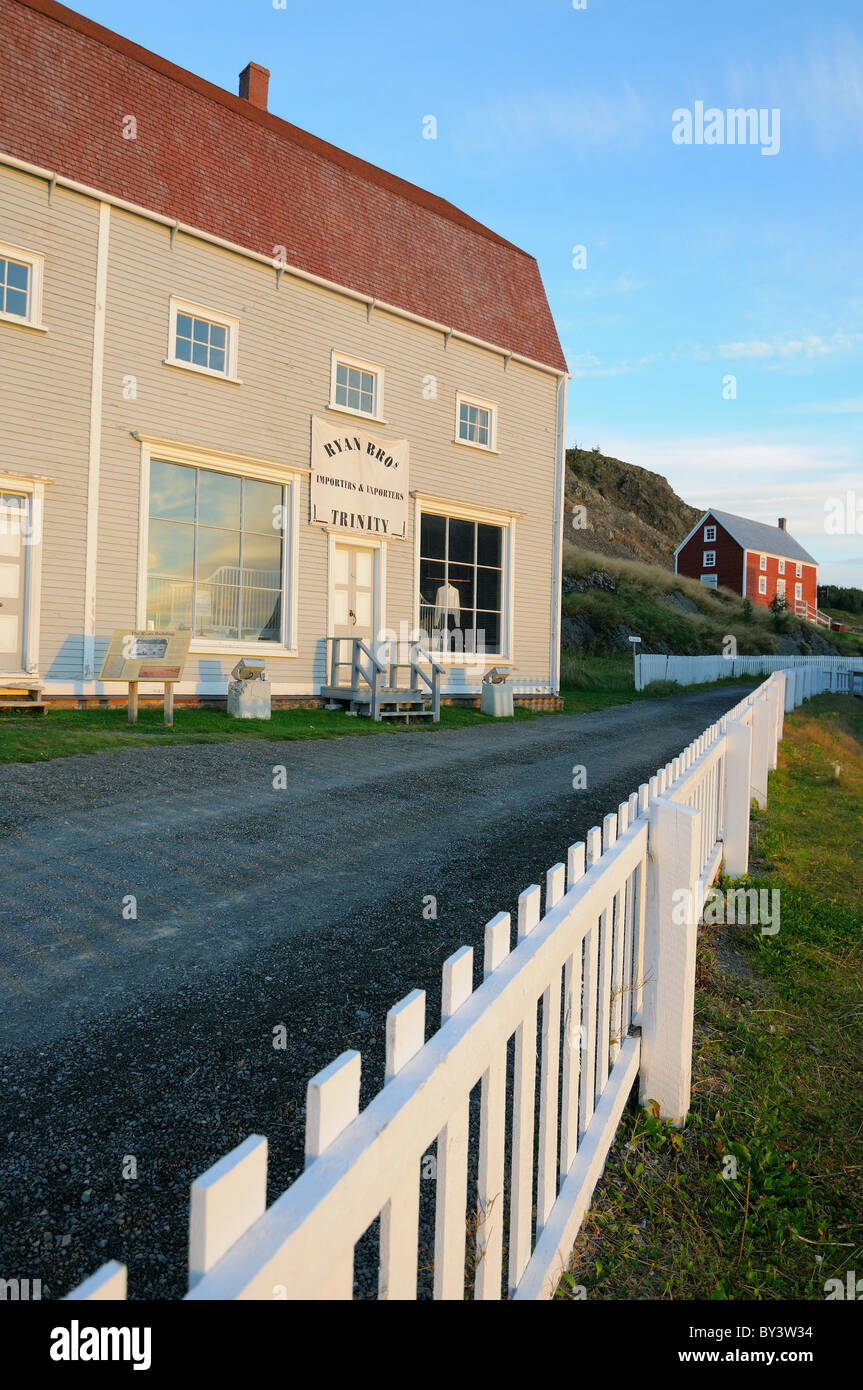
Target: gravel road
[[151, 1036]]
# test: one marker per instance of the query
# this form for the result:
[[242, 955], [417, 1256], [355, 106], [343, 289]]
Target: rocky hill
[[629, 512]]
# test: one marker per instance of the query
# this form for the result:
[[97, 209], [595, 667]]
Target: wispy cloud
[[824, 88], [578, 121], [779, 350], [850, 407]]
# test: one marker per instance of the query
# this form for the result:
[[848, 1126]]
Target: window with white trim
[[710, 533], [762, 562], [762, 584], [21, 286], [798, 592], [711, 580], [215, 553], [202, 340], [780, 588], [781, 566], [799, 570], [709, 559], [356, 387], [476, 422], [461, 584]]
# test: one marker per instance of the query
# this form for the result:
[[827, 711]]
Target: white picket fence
[[612, 972], [693, 670]]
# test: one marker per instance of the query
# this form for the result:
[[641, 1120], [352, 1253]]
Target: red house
[[752, 559]]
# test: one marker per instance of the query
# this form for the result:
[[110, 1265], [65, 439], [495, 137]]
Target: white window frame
[[798, 593], [239, 466], [342, 359], [200, 311], [711, 580], [762, 562], [710, 533], [780, 587], [762, 584], [462, 398], [708, 559], [440, 506], [36, 265], [799, 571], [781, 566]]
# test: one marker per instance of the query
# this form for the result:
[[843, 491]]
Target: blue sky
[[704, 261]]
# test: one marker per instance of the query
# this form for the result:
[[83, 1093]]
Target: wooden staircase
[[373, 687], [22, 693]]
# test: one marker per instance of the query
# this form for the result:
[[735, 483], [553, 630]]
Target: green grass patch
[[776, 1070], [590, 683]]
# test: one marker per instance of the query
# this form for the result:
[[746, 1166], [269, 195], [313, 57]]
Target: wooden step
[[24, 704]]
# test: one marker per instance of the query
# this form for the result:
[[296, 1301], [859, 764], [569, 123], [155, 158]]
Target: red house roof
[[222, 164]]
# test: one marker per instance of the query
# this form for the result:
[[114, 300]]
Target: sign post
[[147, 656]]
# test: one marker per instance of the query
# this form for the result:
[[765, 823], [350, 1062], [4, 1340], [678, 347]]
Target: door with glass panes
[[353, 597], [14, 512]]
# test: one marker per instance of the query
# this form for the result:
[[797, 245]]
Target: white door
[[14, 529], [353, 598]]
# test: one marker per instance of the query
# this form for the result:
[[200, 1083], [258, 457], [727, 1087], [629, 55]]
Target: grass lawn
[[597, 683], [59, 733], [777, 1070]]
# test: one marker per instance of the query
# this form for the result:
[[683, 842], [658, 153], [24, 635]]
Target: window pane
[[217, 609], [218, 335], [488, 630], [262, 504], [218, 499], [353, 398], [432, 535], [170, 550], [172, 491], [16, 303], [184, 326], [217, 360], [341, 374], [199, 354], [262, 615], [200, 330], [461, 539], [169, 603], [17, 275], [218, 556], [183, 350], [489, 545], [488, 588], [262, 561]]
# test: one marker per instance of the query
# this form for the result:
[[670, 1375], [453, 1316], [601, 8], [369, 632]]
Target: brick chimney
[[783, 523], [254, 81]]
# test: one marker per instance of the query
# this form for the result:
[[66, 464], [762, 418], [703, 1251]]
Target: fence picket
[[397, 1276], [451, 1194], [572, 1037], [523, 1113], [332, 1101], [546, 1188], [492, 1135], [225, 1202], [589, 1009]]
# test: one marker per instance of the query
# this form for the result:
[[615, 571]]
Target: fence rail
[[523, 1084]]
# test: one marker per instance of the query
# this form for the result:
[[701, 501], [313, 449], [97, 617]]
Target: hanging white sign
[[359, 482]]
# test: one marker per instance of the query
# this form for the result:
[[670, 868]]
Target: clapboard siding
[[45, 383]]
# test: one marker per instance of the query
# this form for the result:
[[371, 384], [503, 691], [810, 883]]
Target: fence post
[[671, 929], [738, 753], [761, 718], [772, 696]]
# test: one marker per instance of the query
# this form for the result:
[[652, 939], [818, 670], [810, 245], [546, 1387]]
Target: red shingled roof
[[214, 161]]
